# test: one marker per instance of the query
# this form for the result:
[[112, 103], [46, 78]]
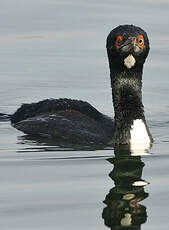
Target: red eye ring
[[140, 41], [119, 41]]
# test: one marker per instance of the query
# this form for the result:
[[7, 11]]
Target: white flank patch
[[139, 133], [129, 61]]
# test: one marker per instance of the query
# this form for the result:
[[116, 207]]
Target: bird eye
[[140, 40], [119, 41]]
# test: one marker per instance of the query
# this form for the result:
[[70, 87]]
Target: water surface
[[52, 49]]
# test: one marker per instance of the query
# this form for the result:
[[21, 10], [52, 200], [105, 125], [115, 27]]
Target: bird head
[[127, 46]]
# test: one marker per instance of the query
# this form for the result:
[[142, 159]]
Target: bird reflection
[[123, 210]]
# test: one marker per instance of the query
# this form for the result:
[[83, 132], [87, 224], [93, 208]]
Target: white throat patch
[[129, 61]]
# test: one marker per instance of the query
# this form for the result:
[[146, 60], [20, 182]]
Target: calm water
[[55, 48]]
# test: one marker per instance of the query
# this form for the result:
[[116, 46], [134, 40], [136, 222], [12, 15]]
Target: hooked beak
[[130, 46]]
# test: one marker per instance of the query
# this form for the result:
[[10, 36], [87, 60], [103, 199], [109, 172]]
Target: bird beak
[[129, 45]]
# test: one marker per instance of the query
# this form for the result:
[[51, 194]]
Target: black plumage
[[79, 122], [64, 119]]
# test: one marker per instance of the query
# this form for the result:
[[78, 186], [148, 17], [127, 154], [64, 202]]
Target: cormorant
[[76, 121]]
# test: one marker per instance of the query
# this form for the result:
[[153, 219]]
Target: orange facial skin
[[139, 41], [118, 41]]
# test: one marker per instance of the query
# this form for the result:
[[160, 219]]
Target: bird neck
[[127, 100]]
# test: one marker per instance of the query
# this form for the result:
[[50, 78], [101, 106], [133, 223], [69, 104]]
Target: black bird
[[79, 122]]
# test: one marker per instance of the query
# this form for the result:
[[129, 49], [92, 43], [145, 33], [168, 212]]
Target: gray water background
[[53, 49]]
